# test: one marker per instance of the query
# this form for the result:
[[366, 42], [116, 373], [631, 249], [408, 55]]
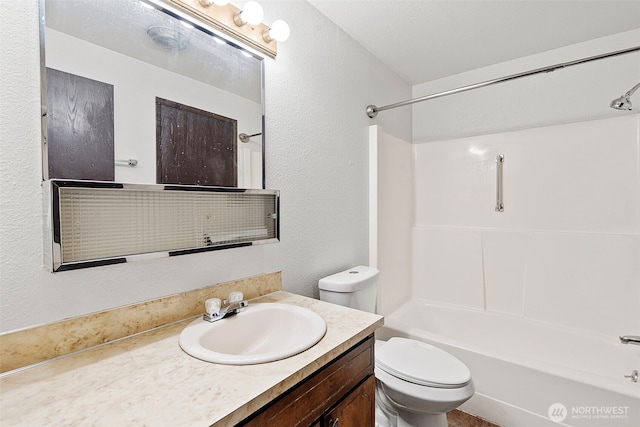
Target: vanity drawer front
[[310, 399]]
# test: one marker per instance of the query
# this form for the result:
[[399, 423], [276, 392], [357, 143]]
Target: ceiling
[[423, 40]]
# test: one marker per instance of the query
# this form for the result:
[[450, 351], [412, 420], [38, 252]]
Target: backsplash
[[34, 345]]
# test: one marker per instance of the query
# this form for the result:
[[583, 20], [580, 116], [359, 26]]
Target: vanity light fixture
[[279, 31], [229, 20], [207, 3], [251, 14]]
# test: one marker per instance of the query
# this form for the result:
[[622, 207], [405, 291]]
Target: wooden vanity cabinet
[[358, 408], [339, 394]]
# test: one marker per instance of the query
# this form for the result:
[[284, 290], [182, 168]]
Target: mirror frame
[[179, 9]]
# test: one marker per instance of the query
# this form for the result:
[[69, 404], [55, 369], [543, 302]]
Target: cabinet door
[[312, 398], [357, 409]]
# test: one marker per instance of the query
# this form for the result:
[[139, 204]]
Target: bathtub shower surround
[[543, 290]]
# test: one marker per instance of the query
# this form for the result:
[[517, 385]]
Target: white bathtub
[[528, 373]]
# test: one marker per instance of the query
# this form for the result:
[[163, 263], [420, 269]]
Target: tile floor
[[462, 419]]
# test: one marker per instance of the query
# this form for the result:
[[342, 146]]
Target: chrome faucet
[[216, 311]]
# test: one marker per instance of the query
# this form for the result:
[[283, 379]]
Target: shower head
[[624, 102]]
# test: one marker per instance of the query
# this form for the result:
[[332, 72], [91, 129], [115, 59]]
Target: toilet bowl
[[416, 383], [420, 383]]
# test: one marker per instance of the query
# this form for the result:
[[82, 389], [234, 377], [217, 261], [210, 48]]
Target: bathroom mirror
[[107, 65]]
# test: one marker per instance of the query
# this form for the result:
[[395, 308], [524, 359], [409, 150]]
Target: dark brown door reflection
[[194, 147], [80, 133]]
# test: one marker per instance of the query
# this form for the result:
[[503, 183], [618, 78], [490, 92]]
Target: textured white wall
[[317, 144], [317, 136]]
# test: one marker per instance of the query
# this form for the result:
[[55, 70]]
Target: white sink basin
[[261, 333]]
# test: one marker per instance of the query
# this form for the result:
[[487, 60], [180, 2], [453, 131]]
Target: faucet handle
[[212, 305], [235, 297]]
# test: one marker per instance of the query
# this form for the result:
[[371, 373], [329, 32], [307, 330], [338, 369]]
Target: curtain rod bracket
[[243, 137]]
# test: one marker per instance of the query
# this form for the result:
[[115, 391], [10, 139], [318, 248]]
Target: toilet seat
[[421, 363], [417, 398]]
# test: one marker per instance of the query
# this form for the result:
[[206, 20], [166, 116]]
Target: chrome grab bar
[[499, 185], [630, 339]]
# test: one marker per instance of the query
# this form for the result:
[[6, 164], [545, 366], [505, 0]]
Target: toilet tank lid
[[353, 279]]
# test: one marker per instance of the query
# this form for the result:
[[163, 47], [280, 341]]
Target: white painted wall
[[317, 143], [317, 155]]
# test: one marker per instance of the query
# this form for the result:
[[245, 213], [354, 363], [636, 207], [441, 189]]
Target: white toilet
[[417, 383]]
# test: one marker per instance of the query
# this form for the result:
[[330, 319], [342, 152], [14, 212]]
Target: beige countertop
[[147, 379]]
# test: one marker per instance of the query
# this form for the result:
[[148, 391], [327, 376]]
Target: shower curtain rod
[[372, 110]]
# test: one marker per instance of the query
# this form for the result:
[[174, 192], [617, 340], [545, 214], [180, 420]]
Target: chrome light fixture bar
[[207, 3]]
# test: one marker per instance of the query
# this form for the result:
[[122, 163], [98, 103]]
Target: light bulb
[[251, 14], [279, 31]]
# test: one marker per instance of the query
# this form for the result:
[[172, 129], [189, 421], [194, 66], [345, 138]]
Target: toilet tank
[[355, 288]]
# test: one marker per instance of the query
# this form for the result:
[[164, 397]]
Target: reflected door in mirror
[[80, 132], [195, 147]]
